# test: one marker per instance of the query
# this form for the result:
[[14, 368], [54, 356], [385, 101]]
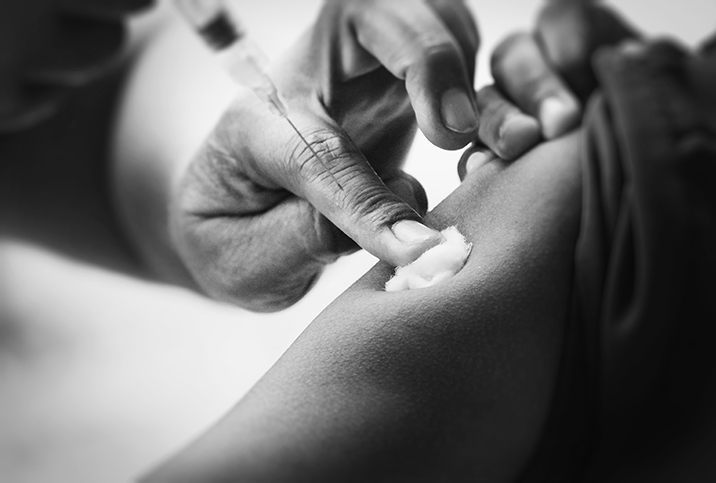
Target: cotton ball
[[435, 265]]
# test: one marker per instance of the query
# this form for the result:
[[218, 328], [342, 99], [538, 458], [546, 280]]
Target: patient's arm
[[447, 383]]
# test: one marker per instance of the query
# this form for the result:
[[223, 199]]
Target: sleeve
[[646, 258], [62, 65], [637, 376], [47, 51]]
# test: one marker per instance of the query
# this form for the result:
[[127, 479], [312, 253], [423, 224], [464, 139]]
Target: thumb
[[323, 166]]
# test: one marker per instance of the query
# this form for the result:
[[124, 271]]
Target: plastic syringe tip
[[272, 99]]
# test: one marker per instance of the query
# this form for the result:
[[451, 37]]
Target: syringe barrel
[[243, 60]]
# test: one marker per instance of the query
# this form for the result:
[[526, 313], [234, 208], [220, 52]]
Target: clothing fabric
[[638, 375], [61, 69], [646, 261], [50, 47]]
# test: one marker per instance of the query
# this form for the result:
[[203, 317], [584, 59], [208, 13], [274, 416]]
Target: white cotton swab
[[435, 265]]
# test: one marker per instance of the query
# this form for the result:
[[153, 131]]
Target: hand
[[256, 216], [543, 78]]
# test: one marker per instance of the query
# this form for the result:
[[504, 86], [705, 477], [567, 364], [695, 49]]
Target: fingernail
[[458, 113], [557, 117], [517, 134], [414, 233], [476, 160]]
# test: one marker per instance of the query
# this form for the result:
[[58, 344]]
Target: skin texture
[[447, 383], [388, 62], [253, 218]]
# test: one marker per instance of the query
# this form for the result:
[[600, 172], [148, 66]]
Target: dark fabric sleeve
[[49, 47], [61, 70], [637, 376], [646, 256]]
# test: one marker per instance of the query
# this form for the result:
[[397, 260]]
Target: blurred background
[[102, 373]]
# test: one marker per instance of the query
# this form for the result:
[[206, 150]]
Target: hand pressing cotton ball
[[435, 265]]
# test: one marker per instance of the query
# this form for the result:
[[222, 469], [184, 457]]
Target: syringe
[[243, 60]]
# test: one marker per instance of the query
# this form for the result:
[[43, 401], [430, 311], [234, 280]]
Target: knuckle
[[490, 102], [435, 47], [248, 296], [377, 206], [506, 50], [429, 50], [571, 32], [565, 50], [430, 42], [540, 84], [278, 297], [227, 274], [519, 67], [323, 150]]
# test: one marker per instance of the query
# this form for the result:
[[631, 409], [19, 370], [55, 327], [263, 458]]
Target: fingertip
[[473, 159], [414, 239], [517, 134], [459, 113], [477, 159], [558, 115]]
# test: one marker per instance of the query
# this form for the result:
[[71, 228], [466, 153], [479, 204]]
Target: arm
[[445, 383]]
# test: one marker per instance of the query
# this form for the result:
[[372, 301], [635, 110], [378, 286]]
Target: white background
[[106, 374]]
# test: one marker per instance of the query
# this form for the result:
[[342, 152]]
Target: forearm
[[449, 382]]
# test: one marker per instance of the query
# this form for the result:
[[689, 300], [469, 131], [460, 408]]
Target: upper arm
[[447, 382]]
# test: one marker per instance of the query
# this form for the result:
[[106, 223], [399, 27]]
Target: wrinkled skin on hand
[[256, 217]]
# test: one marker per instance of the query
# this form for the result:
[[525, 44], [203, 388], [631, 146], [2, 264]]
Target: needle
[[242, 58], [325, 166]]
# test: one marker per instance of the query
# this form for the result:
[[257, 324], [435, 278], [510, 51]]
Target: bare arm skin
[[447, 383]]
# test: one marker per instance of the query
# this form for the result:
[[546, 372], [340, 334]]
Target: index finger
[[414, 42], [332, 174], [521, 71], [362, 206]]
